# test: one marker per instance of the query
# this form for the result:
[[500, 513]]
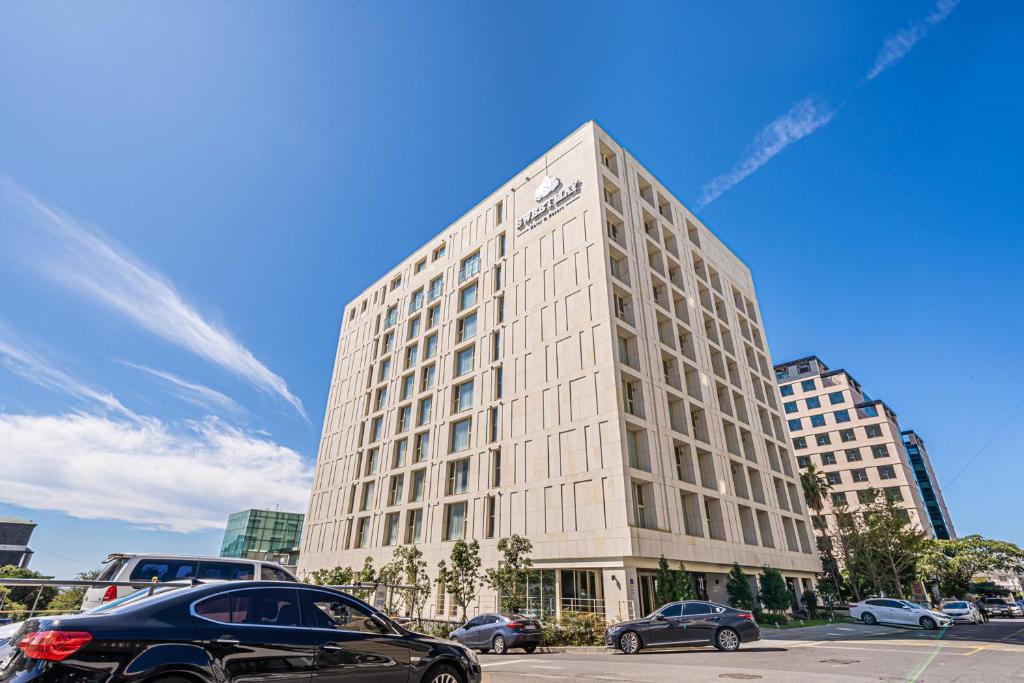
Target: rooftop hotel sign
[[552, 197]]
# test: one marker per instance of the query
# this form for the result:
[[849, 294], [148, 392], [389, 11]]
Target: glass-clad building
[[264, 535]]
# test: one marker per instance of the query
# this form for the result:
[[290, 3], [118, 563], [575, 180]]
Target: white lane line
[[514, 660], [543, 666]]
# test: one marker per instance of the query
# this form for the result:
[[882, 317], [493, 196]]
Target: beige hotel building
[[577, 360], [857, 444]]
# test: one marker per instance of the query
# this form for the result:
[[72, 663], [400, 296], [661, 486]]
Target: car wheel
[[442, 673], [727, 640], [529, 649], [869, 619], [629, 642], [928, 623], [498, 645]]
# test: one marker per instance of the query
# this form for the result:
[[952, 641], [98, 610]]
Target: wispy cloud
[[801, 120], [83, 260], [186, 481], [903, 41], [22, 359], [197, 394]]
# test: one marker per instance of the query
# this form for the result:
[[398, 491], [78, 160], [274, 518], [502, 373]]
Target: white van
[[145, 567]]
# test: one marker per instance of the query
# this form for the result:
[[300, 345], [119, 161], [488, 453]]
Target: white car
[[961, 610], [163, 568], [899, 612]]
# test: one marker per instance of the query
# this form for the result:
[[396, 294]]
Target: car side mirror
[[661, 617]]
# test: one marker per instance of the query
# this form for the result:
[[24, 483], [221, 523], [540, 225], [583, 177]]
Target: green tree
[[816, 488], [895, 544], [462, 579], [368, 577], [683, 586], [664, 583], [412, 571], [954, 563], [738, 587], [335, 576], [27, 595], [511, 572], [775, 594], [810, 600], [69, 600]]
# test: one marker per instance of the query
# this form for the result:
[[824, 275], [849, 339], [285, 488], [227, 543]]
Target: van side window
[[226, 571], [274, 574], [163, 570]]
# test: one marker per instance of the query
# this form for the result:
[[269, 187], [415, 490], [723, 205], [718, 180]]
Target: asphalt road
[[839, 652]]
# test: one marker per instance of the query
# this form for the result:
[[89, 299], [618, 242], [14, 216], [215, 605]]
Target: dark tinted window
[[877, 603], [274, 574], [226, 571], [894, 603], [693, 608], [672, 610], [475, 621], [110, 569], [258, 607], [491, 619], [163, 570], [326, 611]]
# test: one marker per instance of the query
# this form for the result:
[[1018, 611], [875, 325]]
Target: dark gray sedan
[[691, 622], [498, 632]]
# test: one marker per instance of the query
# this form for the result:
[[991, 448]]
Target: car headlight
[[471, 655]]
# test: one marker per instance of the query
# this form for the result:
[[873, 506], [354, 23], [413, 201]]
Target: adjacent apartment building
[[857, 443], [15, 534], [578, 360]]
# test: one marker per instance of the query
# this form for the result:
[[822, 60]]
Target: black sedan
[[691, 622], [240, 632]]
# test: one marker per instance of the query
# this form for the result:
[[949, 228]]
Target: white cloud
[[21, 359], [801, 120], [82, 260], [143, 473], [193, 393], [903, 41]]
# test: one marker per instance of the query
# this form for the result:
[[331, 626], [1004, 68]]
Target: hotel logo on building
[[552, 197]]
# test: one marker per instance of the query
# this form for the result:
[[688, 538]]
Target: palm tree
[[815, 486]]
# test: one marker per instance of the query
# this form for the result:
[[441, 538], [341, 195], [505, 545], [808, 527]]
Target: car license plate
[[529, 627]]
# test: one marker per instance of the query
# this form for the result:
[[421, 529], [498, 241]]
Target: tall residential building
[[264, 535], [854, 440], [14, 537], [934, 503], [578, 360]]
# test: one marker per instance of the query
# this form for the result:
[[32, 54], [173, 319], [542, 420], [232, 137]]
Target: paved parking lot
[[840, 652]]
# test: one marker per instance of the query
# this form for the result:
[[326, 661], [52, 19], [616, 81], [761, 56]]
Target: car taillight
[[53, 646], [109, 594], [746, 615], [516, 625]]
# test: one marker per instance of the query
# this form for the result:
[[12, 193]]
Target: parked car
[[1001, 607], [690, 622], [899, 612], [498, 632], [961, 611], [144, 568], [235, 632]]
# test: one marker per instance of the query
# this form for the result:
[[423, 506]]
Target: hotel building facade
[[857, 444], [577, 360]]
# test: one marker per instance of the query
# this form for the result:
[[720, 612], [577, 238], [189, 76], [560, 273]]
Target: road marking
[[515, 660], [1013, 635], [543, 666], [877, 649]]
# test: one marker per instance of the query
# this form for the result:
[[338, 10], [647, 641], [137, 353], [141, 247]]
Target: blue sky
[[191, 191]]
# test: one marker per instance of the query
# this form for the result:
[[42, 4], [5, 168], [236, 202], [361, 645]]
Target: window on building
[[391, 528], [842, 416], [859, 475], [494, 424], [499, 373], [500, 308], [396, 489], [817, 420], [466, 328], [433, 316], [803, 461], [455, 521], [790, 407], [814, 402], [823, 439], [414, 527], [430, 346], [795, 425], [836, 397], [420, 265], [501, 244], [435, 288], [423, 416], [880, 450], [439, 252], [404, 418], [458, 477], [427, 377], [873, 431], [869, 411], [490, 516], [416, 301], [846, 435], [786, 390], [495, 345], [834, 478], [418, 486], [421, 446], [807, 385], [389, 342], [461, 432], [376, 429], [372, 461], [630, 400], [363, 532], [469, 267], [464, 361], [391, 317], [382, 397], [853, 455], [495, 480], [642, 510], [412, 354], [462, 396], [799, 442], [366, 500], [385, 370], [839, 499], [408, 385], [401, 448], [828, 458]]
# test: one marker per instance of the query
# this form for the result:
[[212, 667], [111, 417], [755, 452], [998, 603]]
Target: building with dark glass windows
[[264, 535], [942, 523]]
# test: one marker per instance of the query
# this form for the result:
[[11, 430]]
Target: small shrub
[[574, 629], [769, 618]]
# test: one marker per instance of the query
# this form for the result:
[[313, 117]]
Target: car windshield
[[913, 604], [956, 605], [995, 601], [140, 594]]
